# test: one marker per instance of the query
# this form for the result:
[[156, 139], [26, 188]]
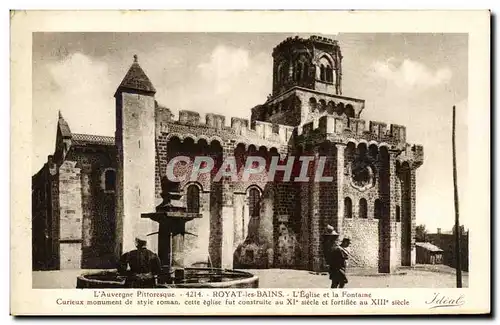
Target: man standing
[[347, 256], [143, 263], [336, 258]]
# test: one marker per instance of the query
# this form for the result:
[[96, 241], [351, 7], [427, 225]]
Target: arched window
[[373, 150], [296, 104], [312, 104], [281, 72], [193, 199], [377, 209], [329, 74], [326, 70], [363, 209], [254, 202], [298, 71], [305, 71], [322, 105], [322, 73], [349, 110], [362, 150], [109, 180], [331, 107], [340, 109], [347, 208], [398, 213]]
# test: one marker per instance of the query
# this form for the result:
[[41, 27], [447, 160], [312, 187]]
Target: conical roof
[[63, 126], [136, 79]]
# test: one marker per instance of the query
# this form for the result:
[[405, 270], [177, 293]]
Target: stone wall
[[45, 218], [215, 244], [397, 245], [200, 246], [395, 229], [413, 179], [196, 243], [286, 226], [364, 235], [98, 206], [53, 223], [71, 218], [298, 106], [290, 229], [225, 231], [286, 245]]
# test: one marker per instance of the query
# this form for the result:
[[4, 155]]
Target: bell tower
[[307, 82], [135, 141], [314, 63]]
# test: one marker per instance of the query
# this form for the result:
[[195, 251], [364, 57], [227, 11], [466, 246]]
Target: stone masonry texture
[[79, 221]]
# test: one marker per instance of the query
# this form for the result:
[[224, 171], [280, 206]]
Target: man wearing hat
[[346, 241], [143, 263], [335, 257]]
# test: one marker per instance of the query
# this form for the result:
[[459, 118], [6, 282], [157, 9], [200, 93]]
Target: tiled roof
[[136, 79], [86, 139], [429, 246]]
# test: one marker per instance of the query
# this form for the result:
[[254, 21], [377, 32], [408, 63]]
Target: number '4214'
[[193, 294]]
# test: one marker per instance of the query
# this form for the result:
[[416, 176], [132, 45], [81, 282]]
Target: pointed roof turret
[[63, 126], [136, 79]]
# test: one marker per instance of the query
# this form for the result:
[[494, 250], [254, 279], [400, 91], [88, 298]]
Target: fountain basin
[[194, 278]]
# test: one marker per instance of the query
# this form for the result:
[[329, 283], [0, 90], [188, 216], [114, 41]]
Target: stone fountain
[[172, 217]]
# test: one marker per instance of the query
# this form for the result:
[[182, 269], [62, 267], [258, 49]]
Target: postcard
[[250, 162]]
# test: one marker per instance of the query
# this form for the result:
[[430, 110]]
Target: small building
[[428, 253], [446, 241]]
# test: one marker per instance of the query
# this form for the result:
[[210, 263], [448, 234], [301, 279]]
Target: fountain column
[[177, 254], [164, 245]]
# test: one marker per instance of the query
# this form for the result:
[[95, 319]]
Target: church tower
[[314, 63], [307, 84], [135, 141]]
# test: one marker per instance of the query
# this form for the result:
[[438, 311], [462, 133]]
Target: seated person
[[143, 263]]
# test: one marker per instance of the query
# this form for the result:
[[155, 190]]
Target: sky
[[408, 79]]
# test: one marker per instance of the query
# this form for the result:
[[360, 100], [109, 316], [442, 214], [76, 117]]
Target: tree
[[420, 233]]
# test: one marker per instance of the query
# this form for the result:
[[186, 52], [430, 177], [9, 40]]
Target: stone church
[[88, 198]]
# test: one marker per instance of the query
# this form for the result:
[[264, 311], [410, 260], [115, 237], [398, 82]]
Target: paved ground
[[405, 279], [420, 277]]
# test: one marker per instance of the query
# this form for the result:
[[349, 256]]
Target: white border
[[356, 22]]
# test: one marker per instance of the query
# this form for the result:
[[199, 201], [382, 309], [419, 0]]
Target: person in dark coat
[[336, 258], [144, 266]]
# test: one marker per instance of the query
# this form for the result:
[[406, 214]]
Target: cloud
[[230, 82], [84, 93], [410, 74], [80, 88], [225, 65]]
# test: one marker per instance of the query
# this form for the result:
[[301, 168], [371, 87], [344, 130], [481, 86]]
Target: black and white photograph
[[256, 160]]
